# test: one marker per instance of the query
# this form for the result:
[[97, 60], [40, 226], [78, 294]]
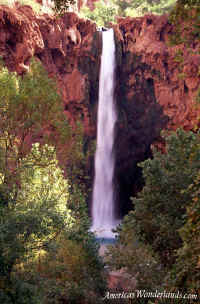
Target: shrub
[[161, 235], [161, 206]]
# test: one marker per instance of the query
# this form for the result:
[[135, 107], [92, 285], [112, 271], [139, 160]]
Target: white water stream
[[103, 213]]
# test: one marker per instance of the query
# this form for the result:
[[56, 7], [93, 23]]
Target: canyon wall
[[68, 47], [156, 89], [153, 91]]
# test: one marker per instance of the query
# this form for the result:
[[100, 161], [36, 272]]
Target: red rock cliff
[[154, 91], [146, 42], [69, 48]]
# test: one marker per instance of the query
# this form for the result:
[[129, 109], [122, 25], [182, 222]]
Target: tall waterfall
[[103, 215]]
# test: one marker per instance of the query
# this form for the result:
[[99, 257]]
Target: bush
[[160, 209], [136, 258], [161, 235], [185, 272], [76, 272]]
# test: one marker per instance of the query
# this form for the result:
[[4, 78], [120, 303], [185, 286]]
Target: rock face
[[68, 47], [147, 56], [152, 90]]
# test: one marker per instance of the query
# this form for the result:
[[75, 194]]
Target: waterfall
[[103, 213]]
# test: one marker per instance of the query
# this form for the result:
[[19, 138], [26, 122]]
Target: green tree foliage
[[32, 221], [161, 206], [78, 167], [186, 269], [43, 217], [161, 235], [106, 12], [44, 246], [137, 258], [121, 7], [36, 6], [103, 14], [185, 17], [74, 272], [140, 7], [30, 110], [62, 6], [186, 20]]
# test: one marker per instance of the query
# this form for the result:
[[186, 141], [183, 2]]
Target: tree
[[186, 31], [103, 14], [138, 259], [106, 12], [185, 272], [43, 216], [31, 222], [161, 235], [140, 7], [161, 206], [185, 18], [122, 6], [30, 111], [45, 245], [62, 6]]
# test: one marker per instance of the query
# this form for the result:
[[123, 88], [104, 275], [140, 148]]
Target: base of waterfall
[[106, 241], [105, 231]]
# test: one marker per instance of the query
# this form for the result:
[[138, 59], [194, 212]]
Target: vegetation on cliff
[[62, 6], [106, 12], [185, 18], [36, 6]]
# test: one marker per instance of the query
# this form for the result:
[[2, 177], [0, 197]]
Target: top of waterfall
[[102, 29]]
